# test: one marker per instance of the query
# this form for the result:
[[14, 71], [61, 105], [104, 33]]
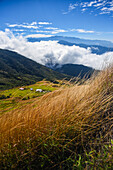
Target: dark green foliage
[[54, 154], [3, 97], [17, 70], [75, 70]]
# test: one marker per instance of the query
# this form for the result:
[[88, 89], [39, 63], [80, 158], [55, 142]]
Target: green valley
[[14, 98]]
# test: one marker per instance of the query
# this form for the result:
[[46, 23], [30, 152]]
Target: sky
[[89, 19]]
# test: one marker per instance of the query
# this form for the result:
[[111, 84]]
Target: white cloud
[[82, 31], [44, 23], [104, 9], [110, 9], [44, 51], [38, 35], [12, 25], [70, 8], [54, 30], [84, 9], [91, 3], [64, 13], [43, 31], [104, 12], [97, 5], [34, 23], [18, 30], [84, 4], [51, 28], [58, 31], [34, 28], [25, 25]]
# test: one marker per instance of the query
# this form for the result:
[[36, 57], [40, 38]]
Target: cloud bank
[[46, 51]]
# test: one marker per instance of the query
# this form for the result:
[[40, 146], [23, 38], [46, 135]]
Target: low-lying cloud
[[51, 51]]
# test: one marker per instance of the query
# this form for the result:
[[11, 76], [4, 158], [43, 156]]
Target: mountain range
[[75, 70], [17, 70], [75, 40], [96, 49]]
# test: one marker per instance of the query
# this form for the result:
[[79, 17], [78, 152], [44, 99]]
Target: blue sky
[[91, 19]]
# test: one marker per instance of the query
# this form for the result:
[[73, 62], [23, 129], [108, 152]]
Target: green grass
[[50, 154], [14, 98]]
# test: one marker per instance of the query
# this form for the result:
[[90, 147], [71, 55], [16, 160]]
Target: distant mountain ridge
[[17, 70], [96, 49], [74, 70], [76, 40]]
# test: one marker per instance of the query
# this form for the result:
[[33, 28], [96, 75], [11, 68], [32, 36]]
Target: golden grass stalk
[[79, 113]]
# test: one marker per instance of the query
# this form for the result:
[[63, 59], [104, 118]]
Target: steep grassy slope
[[16, 70], [70, 128]]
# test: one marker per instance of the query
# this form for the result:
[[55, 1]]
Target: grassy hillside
[[14, 98], [70, 128], [17, 70]]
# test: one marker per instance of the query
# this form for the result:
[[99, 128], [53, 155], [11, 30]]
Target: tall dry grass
[[76, 119]]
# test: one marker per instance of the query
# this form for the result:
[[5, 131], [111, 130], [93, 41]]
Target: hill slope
[[74, 70], [16, 70], [71, 128]]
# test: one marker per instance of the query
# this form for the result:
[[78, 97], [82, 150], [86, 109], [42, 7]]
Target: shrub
[[3, 97]]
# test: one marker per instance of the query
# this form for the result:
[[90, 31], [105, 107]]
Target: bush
[[3, 97]]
